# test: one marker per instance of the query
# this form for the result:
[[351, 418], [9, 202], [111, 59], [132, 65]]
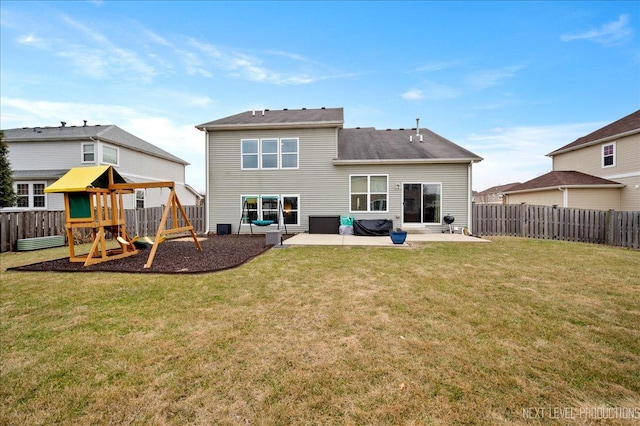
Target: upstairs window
[[88, 153], [609, 155], [109, 155], [289, 153], [269, 153], [368, 193], [249, 153]]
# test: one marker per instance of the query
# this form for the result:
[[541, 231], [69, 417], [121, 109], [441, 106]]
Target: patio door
[[421, 203]]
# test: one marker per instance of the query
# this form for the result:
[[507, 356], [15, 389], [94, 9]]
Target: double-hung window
[[109, 155], [368, 193], [249, 153], [31, 195], [88, 153], [609, 155], [289, 153], [271, 207], [269, 153]]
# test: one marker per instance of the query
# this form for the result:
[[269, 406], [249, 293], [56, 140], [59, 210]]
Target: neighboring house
[[318, 168], [598, 171], [493, 195], [41, 155]]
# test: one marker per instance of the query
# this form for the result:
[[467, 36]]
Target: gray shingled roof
[[108, 133], [626, 125], [362, 144], [285, 117], [563, 178]]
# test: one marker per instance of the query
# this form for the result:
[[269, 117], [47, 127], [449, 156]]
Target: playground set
[[93, 199]]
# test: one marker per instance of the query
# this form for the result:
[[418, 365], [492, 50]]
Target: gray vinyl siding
[[323, 187], [132, 165], [44, 155]]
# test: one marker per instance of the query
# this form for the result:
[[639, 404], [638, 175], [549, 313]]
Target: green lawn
[[443, 333]]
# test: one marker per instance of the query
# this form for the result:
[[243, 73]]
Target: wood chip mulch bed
[[172, 257]]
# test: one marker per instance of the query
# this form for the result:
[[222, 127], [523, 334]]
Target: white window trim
[[283, 196], [31, 195], [143, 198], [242, 154], [82, 160], [279, 154], [102, 147], [261, 154], [259, 208], [602, 156], [368, 176], [441, 207]]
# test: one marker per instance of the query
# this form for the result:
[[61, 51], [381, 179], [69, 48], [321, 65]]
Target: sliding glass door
[[422, 203]]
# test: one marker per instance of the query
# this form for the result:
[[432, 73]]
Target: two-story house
[[599, 171], [41, 155], [493, 195], [306, 159]]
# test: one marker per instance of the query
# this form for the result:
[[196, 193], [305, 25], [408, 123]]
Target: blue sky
[[511, 81]]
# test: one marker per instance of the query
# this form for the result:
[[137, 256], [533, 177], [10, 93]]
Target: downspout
[[565, 196], [469, 197], [207, 193]]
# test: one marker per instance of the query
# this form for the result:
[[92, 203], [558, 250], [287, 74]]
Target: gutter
[[289, 125], [549, 188], [338, 162]]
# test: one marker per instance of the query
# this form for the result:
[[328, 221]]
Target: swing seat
[[122, 241], [143, 242], [262, 222]]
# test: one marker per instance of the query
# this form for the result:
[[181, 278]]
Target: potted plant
[[398, 236]]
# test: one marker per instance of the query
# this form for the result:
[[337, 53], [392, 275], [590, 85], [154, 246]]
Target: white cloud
[[436, 66], [609, 34], [518, 154], [484, 79], [413, 95]]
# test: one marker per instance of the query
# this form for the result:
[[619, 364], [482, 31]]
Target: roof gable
[[107, 133], [626, 125], [362, 144], [285, 117], [499, 188]]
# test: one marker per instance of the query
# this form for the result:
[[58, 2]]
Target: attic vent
[[285, 109], [304, 109], [64, 123], [85, 123], [323, 108], [253, 113]]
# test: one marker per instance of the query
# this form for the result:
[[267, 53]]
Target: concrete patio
[[354, 240]]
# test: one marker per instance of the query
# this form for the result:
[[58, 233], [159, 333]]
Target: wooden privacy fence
[[15, 226], [610, 227]]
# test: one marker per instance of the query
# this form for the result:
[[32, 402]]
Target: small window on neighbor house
[[110, 155], [139, 199], [609, 155], [31, 195], [88, 153]]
